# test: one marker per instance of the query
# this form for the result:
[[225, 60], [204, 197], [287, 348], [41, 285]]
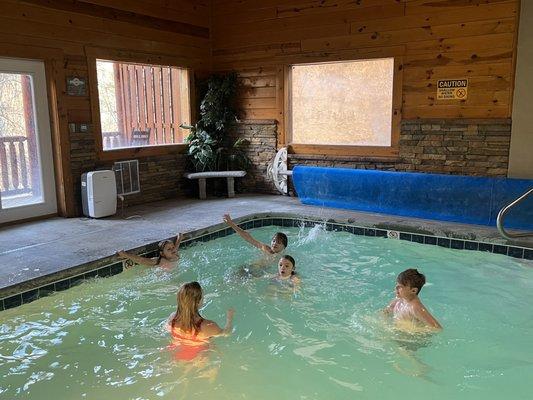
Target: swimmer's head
[[189, 300], [409, 283], [167, 249], [286, 266], [279, 242]]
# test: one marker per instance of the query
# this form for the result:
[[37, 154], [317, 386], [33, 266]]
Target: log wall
[[178, 29], [437, 39]]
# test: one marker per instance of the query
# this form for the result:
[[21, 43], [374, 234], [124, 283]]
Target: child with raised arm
[[189, 330], [277, 245], [407, 307], [167, 258]]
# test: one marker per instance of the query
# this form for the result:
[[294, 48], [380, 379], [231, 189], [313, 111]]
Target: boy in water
[[407, 307], [256, 268], [277, 245]]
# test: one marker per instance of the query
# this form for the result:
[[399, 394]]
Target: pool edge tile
[[29, 296], [430, 240], [13, 301], [515, 252], [205, 235], [444, 242]]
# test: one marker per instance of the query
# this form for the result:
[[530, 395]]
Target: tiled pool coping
[[110, 266]]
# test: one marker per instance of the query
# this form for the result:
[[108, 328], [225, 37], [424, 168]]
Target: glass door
[[27, 186]]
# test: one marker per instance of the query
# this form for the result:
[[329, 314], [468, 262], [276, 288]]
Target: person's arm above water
[[178, 240], [246, 236], [150, 262], [210, 328], [425, 316]]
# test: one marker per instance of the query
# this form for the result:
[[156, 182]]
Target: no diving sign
[[452, 89]]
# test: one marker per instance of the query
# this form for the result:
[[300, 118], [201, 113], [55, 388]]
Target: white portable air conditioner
[[99, 193]]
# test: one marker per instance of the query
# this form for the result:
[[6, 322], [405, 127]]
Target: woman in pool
[[168, 255], [190, 331]]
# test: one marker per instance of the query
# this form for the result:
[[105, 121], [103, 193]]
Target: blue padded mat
[[458, 198]]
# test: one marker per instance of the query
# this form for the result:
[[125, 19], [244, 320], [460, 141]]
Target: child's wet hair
[[292, 261], [160, 247], [412, 278], [162, 243], [282, 238]]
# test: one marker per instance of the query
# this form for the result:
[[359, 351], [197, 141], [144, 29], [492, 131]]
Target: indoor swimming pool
[[323, 339]]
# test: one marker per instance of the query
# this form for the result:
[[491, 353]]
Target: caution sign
[[452, 89]]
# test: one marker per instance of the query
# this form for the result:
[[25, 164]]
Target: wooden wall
[[437, 39], [179, 29]]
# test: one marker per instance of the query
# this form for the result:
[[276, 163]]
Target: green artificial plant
[[210, 147]]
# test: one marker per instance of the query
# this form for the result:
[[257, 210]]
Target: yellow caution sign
[[452, 89]]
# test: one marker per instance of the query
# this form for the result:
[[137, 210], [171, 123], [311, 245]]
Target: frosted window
[[344, 103]]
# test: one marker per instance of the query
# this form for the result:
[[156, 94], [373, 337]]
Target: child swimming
[[277, 245], [168, 255], [190, 331], [287, 270], [407, 310]]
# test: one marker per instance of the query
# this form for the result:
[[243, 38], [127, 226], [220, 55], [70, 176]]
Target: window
[[142, 105], [343, 105]]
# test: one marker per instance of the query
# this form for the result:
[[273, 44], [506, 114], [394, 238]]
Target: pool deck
[[34, 250]]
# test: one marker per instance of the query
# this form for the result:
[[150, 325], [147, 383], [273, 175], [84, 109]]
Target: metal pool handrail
[[501, 216]]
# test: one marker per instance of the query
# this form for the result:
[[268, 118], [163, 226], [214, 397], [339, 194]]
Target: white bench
[[202, 176]]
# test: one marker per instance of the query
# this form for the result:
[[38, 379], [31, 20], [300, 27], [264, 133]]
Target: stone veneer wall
[[447, 146], [161, 177], [262, 148], [454, 146]]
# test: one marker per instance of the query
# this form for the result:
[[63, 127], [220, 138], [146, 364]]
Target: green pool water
[[105, 339]]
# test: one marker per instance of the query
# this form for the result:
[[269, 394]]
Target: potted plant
[[210, 147]]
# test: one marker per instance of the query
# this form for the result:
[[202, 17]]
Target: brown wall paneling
[[438, 39], [126, 26], [258, 93], [194, 12]]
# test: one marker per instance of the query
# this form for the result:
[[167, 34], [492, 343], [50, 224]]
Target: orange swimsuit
[[187, 346]]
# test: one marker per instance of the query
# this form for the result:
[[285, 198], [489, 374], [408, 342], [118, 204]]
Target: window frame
[[99, 53], [391, 151]]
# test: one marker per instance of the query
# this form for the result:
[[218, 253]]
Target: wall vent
[[127, 176]]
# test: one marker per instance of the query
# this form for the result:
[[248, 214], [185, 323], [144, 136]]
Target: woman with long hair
[[190, 331]]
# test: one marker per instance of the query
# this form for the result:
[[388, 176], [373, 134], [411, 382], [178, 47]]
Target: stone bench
[[202, 176]]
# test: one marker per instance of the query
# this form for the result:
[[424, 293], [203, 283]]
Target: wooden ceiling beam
[[95, 10]]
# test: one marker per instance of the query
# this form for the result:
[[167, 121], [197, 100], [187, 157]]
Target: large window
[[343, 104], [142, 105]]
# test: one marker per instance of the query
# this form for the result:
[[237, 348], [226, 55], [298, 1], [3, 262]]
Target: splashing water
[[306, 235]]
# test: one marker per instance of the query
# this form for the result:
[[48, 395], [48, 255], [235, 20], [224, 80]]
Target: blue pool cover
[[458, 198]]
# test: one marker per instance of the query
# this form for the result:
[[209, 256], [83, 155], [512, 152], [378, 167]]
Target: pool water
[[106, 338]]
